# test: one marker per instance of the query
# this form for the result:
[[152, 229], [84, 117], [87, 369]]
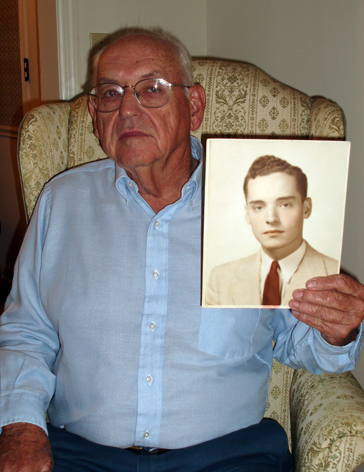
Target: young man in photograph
[[276, 207]]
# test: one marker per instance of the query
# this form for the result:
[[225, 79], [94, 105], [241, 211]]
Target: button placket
[[152, 340]]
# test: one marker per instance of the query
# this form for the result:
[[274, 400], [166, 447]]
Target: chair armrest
[[327, 120], [327, 415], [42, 149]]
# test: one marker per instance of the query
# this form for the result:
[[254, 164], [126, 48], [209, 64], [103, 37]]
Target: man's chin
[[272, 245], [272, 241], [132, 158]]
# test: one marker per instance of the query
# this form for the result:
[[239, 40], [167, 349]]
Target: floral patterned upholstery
[[323, 415], [244, 100]]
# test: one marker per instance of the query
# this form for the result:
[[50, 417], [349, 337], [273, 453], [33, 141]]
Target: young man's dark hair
[[266, 165]]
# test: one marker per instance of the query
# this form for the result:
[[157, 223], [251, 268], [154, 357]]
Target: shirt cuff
[[22, 410], [349, 353], [347, 347]]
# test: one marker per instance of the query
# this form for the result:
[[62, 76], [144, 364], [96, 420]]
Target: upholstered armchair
[[323, 415]]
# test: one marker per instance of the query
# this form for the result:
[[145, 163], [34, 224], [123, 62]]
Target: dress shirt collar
[[289, 264], [126, 185]]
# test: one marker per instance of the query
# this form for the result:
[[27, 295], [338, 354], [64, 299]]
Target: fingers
[[336, 327], [337, 300], [338, 282], [334, 305]]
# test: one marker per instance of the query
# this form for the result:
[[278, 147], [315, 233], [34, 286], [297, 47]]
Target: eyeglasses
[[150, 93]]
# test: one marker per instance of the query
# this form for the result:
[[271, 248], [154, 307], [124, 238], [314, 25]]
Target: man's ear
[[197, 99], [307, 208], [92, 111], [247, 219]]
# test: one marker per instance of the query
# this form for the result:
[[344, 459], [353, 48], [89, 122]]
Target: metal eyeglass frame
[[135, 93]]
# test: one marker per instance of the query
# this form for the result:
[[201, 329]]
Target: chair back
[[242, 100]]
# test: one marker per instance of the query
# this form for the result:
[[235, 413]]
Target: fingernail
[[297, 294], [311, 283]]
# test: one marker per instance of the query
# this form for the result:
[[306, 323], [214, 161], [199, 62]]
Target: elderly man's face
[[275, 211], [134, 135]]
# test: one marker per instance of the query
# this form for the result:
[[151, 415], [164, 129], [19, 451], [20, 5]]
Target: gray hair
[[182, 54]]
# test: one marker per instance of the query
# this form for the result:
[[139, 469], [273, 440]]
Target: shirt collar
[[125, 185], [288, 265]]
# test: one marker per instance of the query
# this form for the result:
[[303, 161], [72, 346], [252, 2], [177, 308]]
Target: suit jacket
[[237, 283]]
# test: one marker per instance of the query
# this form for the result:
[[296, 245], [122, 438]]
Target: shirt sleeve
[[300, 346], [28, 341]]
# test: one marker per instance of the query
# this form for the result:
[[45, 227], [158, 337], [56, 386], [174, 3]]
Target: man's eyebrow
[[107, 81], [280, 199], [256, 202]]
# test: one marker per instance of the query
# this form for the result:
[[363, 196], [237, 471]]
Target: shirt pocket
[[232, 333]]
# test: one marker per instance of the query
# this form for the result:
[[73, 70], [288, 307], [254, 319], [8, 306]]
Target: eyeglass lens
[[151, 93]]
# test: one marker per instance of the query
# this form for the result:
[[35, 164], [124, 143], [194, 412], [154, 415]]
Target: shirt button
[[157, 224], [149, 379], [146, 435], [130, 184], [191, 203], [152, 326], [156, 274]]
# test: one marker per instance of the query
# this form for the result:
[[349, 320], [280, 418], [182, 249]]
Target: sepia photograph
[[273, 218]]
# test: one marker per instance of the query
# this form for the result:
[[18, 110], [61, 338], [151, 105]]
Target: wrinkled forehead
[[140, 51]]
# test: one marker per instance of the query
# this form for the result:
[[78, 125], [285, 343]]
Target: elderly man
[[104, 327]]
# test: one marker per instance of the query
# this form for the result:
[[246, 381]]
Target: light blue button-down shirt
[[104, 325]]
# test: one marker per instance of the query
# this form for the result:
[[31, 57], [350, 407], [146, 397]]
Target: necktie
[[271, 293]]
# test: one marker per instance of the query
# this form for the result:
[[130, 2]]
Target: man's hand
[[334, 305], [25, 447]]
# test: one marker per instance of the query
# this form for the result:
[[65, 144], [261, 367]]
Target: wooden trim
[[9, 131], [28, 36]]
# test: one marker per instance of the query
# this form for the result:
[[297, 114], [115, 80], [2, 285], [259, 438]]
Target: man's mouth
[[273, 232], [132, 134]]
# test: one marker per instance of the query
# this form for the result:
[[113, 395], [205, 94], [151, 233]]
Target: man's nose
[[271, 215], [129, 105]]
